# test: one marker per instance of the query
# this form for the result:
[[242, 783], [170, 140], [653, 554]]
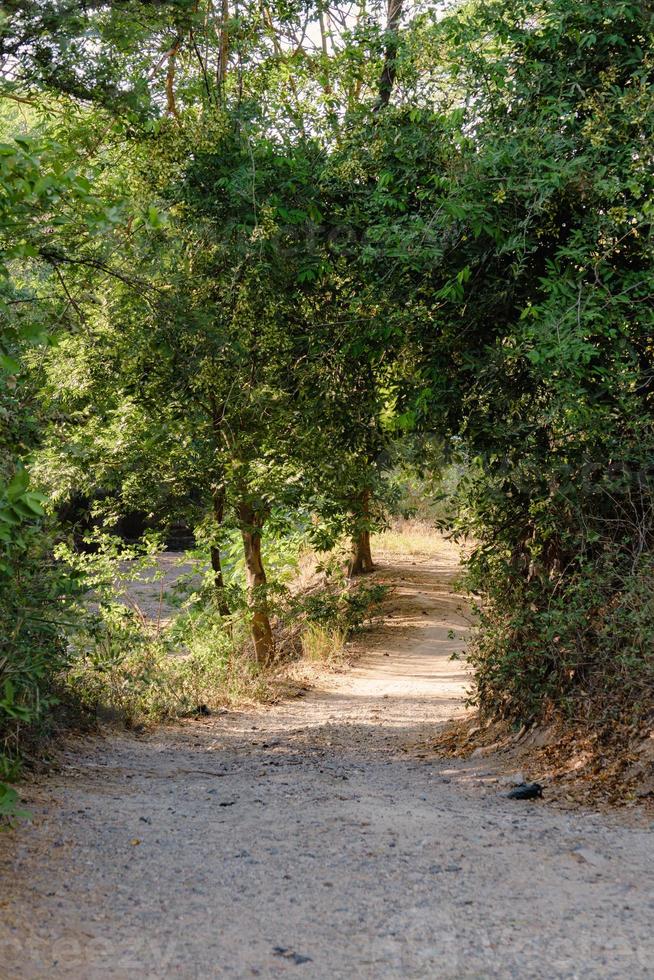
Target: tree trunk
[[327, 88], [389, 70], [262, 638], [223, 50], [360, 556], [218, 581]]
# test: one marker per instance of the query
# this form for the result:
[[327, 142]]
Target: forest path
[[313, 839]]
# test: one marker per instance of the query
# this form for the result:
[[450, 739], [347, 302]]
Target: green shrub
[[582, 645], [36, 597], [125, 672], [346, 609]]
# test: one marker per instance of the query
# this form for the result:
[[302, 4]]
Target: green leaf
[[30, 501], [18, 485], [9, 364]]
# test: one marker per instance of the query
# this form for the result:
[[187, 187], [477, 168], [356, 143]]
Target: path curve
[[313, 840]]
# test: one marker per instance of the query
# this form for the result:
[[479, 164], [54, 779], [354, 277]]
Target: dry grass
[[406, 537], [322, 644]]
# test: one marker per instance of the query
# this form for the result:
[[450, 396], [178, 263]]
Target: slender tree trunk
[[219, 582], [361, 556], [389, 71], [223, 51], [171, 105], [327, 88], [262, 638]]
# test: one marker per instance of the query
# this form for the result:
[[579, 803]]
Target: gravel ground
[[311, 840]]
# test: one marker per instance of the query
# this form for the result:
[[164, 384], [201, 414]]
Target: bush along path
[[313, 839]]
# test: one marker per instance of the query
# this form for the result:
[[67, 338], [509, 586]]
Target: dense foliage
[[257, 262], [558, 416]]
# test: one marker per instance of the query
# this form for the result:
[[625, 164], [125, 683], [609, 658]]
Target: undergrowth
[[323, 644], [36, 609], [129, 667], [580, 648]]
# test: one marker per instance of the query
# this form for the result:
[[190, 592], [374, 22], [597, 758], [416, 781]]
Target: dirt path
[[311, 840]]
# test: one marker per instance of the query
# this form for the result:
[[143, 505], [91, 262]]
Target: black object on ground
[[526, 791], [289, 954]]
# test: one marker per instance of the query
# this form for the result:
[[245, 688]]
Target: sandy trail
[[311, 840]]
